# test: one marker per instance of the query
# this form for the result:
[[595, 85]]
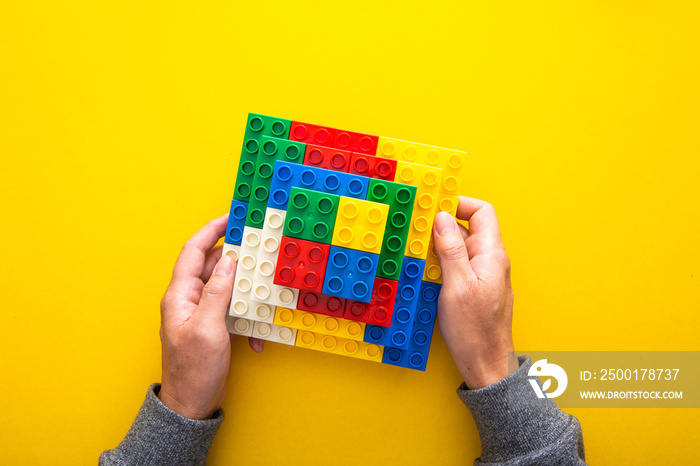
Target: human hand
[[195, 343], [475, 308]]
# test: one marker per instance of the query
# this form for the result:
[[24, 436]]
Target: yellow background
[[120, 127]]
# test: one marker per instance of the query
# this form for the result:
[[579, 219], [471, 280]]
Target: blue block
[[398, 334], [416, 355], [236, 222], [350, 274], [288, 174]]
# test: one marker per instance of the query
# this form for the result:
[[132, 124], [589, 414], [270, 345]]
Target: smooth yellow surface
[[120, 128]]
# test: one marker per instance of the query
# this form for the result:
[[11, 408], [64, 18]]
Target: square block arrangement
[[331, 230]]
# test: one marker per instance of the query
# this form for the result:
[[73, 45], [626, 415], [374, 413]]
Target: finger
[[484, 231], [256, 344], [464, 231], [210, 261], [450, 249], [216, 294], [190, 262]]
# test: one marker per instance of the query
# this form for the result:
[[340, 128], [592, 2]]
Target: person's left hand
[[196, 345]]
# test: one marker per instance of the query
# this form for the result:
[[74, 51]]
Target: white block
[[263, 288], [246, 264], [251, 310], [272, 332], [236, 249], [239, 326]]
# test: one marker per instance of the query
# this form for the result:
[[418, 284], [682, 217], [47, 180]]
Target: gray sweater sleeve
[[517, 428], [161, 436]]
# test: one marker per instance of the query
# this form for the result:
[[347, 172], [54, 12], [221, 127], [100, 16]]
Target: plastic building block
[[264, 289], [453, 162], [321, 304], [271, 151], [256, 127], [356, 142], [239, 326], [432, 273], [320, 324], [234, 249], [350, 274], [427, 180], [311, 215], [236, 222], [251, 310], [272, 332], [398, 334], [380, 309], [336, 138], [327, 157], [301, 264], [287, 175], [448, 203], [400, 199], [248, 258], [312, 134], [340, 346], [360, 225], [416, 355], [372, 166]]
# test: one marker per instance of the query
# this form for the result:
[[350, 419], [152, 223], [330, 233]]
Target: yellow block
[[453, 162], [360, 225], [319, 323], [427, 180], [447, 203], [341, 346], [432, 272]]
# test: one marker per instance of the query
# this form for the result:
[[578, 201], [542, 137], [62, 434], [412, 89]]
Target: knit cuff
[[159, 435], [510, 418]]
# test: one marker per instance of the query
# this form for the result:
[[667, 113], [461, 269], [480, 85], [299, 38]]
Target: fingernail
[[444, 223], [224, 267]]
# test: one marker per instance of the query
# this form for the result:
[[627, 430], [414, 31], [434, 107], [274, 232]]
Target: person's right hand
[[475, 308]]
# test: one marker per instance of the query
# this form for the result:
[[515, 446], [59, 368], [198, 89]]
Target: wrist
[[481, 373], [183, 409]]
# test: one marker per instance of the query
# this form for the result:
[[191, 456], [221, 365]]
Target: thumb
[[217, 292], [450, 248]]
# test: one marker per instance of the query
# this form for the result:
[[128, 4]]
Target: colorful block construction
[[331, 230]]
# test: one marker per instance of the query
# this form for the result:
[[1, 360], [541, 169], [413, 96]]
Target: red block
[[327, 157], [380, 309], [312, 134], [355, 142], [373, 167], [321, 304], [331, 137], [301, 264]]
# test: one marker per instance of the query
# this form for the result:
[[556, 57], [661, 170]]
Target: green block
[[399, 197], [311, 215], [256, 210], [271, 150], [257, 127]]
